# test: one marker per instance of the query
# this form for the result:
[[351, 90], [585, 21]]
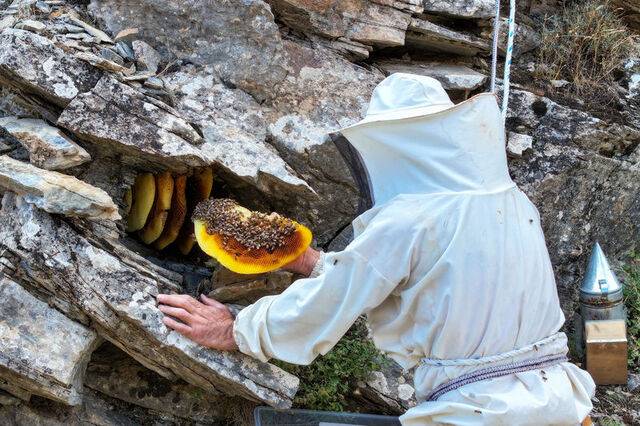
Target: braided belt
[[495, 371]]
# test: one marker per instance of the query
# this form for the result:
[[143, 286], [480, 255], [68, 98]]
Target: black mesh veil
[[357, 169]]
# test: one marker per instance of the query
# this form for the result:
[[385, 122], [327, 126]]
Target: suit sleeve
[[309, 318]]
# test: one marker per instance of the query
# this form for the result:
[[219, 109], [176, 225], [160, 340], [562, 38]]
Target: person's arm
[[305, 320], [305, 263], [209, 322], [310, 316]]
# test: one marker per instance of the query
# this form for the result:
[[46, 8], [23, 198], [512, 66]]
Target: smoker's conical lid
[[599, 279]]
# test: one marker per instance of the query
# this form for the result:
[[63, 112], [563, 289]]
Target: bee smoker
[[604, 317], [601, 292]]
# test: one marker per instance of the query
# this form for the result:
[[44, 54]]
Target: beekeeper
[[449, 265]]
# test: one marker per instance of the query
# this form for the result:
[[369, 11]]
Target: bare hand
[[208, 323], [305, 263]]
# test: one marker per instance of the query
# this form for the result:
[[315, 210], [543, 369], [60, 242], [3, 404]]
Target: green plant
[[609, 421], [326, 383], [584, 44], [632, 302]]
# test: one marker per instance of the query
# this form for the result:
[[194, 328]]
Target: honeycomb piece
[[155, 224], [248, 242], [177, 213], [144, 192]]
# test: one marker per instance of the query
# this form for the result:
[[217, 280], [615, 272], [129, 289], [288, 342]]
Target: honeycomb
[[157, 207], [248, 242], [243, 241]]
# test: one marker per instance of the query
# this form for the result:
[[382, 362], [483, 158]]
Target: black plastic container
[[267, 416]]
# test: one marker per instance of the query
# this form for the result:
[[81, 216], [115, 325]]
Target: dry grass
[[584, 44], [615, 406]]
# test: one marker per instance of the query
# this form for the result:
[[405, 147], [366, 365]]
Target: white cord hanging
[[508, 55], [507, 60], [494, 47]]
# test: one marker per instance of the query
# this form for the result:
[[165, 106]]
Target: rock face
[[229, 287], [451, 76], [632, 75], [238, 38], [48, 147], [364, 21], [391, 388], [321, 94], [116, 117], [35, 66], [115, 374], [96, 409], [547, 121], [461, 8], [518, 144], [583, 195], [526, 38], [55, 192], [42, 351], [252, 89], [429, 36], [609, 215], [306, 101], [121, 306]]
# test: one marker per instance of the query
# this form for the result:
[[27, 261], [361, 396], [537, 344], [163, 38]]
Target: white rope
[[509, 55], [495, 372], [494, 47], [532, 348]]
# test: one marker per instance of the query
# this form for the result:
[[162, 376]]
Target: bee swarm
[[254, 231]]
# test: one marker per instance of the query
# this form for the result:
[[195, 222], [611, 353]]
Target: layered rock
[[113, 373], [41, 351], [48, 147], [96, 409], [318, 92], [451, 76], [525, 40], [374, 23], [55, 192], [11, 105], [477, 9], [321, 94], [234, 128], [426, 35], [146, 132], [119, 300], [252, 88], [229, 287], [238, 38], [116, 117], [33, 65]]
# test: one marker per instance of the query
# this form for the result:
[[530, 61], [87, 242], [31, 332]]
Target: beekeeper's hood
[[414, 140]]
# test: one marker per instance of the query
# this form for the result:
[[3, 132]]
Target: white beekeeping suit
[[450, 266]]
